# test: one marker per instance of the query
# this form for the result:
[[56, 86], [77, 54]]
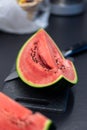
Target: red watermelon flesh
[[40, 62], [14, 116]]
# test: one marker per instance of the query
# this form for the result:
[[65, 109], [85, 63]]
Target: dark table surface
[[65, 31]]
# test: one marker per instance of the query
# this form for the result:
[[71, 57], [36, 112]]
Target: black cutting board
[[51, 100]]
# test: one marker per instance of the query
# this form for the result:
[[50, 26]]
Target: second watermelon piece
[[14, 116]]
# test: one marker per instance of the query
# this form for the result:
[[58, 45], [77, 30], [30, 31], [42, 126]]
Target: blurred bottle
[[67, 7]]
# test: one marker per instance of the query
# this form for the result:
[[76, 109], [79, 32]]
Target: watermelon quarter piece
[[40, 63], [14, 116]]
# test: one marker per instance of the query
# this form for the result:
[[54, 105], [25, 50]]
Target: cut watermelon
[[14, 116], [40, 63]]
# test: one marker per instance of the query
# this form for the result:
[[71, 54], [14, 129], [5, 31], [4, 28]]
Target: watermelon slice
[[13, 116], [40, 63]]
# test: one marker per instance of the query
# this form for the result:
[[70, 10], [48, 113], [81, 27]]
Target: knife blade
[[13, 75], [69, 53]]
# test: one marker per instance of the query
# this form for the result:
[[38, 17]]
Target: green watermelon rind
[[47, 125], [73, 82]]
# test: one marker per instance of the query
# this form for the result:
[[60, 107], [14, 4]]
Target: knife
[[75, 49], [70, 52]]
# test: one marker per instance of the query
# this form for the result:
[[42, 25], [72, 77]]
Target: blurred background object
[[30, 6], [67, 7], [14, 19], [34, 14]]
